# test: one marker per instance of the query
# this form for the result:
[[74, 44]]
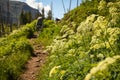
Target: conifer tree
[[29, 16], [43, 13], [49, 17], [21, 17], [25, 17], [70, 5]]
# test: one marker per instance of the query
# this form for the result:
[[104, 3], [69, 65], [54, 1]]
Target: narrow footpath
[[35, 62]]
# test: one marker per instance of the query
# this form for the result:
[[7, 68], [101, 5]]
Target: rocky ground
[[33, 65]]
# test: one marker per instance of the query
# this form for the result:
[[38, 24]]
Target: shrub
[[91, 52], [15, 50], [49, 32]]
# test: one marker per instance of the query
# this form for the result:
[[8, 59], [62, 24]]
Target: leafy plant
[[15, 50], [49, 32], [89, 50]]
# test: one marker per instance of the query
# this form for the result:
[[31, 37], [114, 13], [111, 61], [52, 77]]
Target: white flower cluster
[[100, 23], [99, 27], [64, 29], [87, 25], [64, 41], [114, 10], [54, 70], [102, 66], [103, 35], [55, 46], [71, 52], [102, 5], [100, 56], [93, 34], [114, 35]]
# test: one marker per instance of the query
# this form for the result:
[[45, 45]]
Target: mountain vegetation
[[25, 17], [88, 45], [13, 14], [49, 32], [15, 50], [84, 45]]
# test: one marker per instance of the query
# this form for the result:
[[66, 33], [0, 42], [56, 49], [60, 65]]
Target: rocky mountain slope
[[14, 10]]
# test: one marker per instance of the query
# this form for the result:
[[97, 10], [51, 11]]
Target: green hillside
[[84, 45], [88, 45], [15, 50]]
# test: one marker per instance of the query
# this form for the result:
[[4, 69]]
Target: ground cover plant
[[49, 32], [88, 50], [15, 50]]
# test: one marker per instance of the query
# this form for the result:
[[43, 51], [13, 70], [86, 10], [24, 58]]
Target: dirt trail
[[35, 62]]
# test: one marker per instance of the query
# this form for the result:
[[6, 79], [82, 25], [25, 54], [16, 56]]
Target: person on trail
[[39, 24]]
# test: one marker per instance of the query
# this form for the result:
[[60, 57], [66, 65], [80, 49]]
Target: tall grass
[[49, 32], [91, 52], [15, 50]]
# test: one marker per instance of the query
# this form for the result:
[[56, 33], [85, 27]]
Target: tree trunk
[[77, 2], [70, 5], [0, 31], [3, 30], [63, 6]]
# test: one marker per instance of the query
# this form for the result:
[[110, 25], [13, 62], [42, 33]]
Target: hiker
[[39, 24], [57, 20]]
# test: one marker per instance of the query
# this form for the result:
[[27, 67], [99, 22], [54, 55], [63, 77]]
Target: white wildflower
[[70, 32], [101, 66], [62, 73], [91, 56], [64, 29], [102, 5], [91, 18], [100, 56], [71, 51], [65, 36], [100, 23], [54, 70]]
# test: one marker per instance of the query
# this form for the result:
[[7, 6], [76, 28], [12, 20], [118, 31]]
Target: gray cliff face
[[3, 10], [14, 10]]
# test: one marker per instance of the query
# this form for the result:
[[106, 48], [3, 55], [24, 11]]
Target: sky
[[57, 6]]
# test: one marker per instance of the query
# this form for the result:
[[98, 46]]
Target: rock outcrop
[[10, 11]]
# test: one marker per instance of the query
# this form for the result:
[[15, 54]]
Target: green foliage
[[49, 31], [26, 31], [80, 13], [88, 51], [86, 8], [7, 29], [15, 50], [25, 17], [106, 69]]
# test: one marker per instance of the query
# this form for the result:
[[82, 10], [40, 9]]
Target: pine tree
[[21, 17], [63, 6], [49, 17], [43, 13], [25, 17], [29, 17], [0, 20], [70, 5], [77, 2]]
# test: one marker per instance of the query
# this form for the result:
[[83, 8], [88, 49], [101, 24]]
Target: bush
[[90, 52], [15, 50], [49, 32]]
